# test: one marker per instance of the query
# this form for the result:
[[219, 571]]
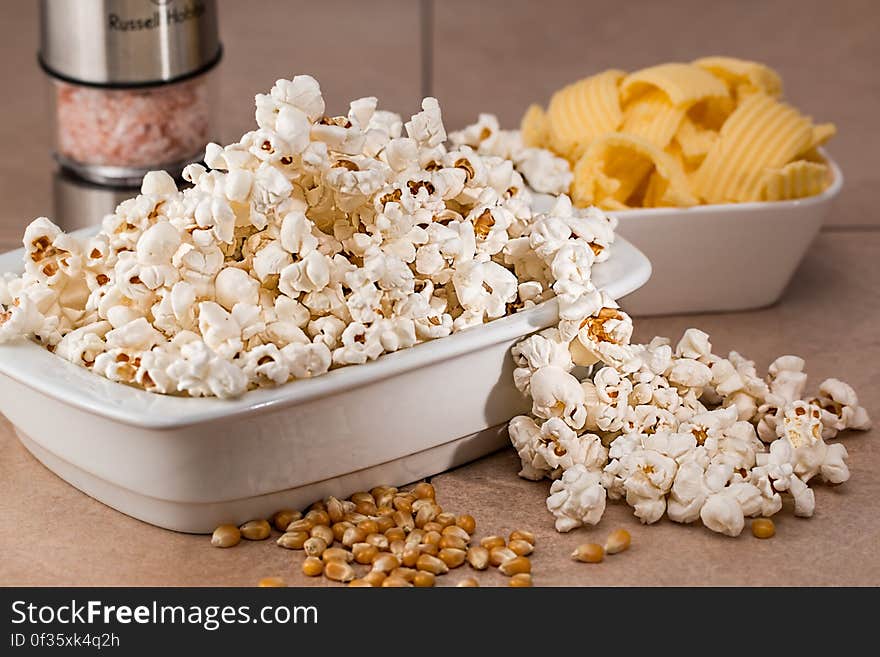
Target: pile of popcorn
[[679, 431], [312, 243]]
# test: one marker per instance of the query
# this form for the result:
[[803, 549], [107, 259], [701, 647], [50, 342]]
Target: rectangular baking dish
[[724, 257], [191, 464]]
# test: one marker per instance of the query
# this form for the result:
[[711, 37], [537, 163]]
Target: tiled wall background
[[487, 55]]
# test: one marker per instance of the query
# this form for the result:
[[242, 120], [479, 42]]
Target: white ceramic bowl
[[724, 257], [191, 464]]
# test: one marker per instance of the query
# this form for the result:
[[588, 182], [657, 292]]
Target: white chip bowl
[[192, 464], [725, 257]]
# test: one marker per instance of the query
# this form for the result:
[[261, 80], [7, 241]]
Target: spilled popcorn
[[682, 432], [314, 242]]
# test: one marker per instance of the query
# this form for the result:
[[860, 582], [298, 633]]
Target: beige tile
[[51, 534], [501, 55]]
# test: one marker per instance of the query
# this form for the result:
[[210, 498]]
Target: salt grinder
[[131, 84]]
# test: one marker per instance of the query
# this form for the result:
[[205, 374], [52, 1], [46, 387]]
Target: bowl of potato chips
[[710, 173]]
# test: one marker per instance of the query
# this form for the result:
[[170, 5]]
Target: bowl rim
[[31, 365]]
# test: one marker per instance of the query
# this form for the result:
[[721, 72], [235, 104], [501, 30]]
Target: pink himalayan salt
[[133, 127]]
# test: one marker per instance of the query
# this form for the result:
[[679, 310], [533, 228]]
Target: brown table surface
[[51, 534]]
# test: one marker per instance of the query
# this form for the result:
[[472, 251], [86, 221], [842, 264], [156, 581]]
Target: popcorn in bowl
[[313, 243]]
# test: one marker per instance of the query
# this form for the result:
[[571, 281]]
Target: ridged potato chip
[[795, 180], [661, 193], [711, 113], [822, 133], [653, 117], [533, 127], [582, 111], [684, 84], [615, 171], [812, 155], [762, 133], [742, 76], [694, 142], [712, 131], [674, 151]]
